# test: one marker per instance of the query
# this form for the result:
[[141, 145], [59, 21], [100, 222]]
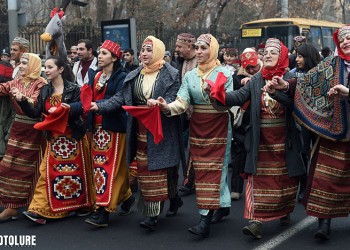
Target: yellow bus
[[317, 32]]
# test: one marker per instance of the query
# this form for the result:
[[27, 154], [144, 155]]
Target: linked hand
[[164, 107], [52, 109], [269, 88], [339, 90], [65, 105], [245, 80], [152, 103], [93, 107], [278, 83]]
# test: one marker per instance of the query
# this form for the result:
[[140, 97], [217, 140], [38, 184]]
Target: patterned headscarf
[[213, 61], [34, 67], [339, 35], [282, 63], [157, 61]]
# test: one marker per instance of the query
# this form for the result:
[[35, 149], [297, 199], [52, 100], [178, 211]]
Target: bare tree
[[343, 9]]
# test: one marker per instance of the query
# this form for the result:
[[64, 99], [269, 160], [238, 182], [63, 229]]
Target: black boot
[[99, 218], [149, 223], [203, 227], [127, 205], [324, 228], [175, 204], [219, 214]]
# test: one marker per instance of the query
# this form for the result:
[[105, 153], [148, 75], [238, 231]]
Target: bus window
[[327, 34], [315, 37], [284, 33]]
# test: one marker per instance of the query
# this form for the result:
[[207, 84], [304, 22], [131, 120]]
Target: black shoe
[[285, 221], [187, 189], [175, 204], [127, 205], [324, 228], [99, 218], [203, 227], [35, 217], [219, 214], [149, 223], [253, 229]]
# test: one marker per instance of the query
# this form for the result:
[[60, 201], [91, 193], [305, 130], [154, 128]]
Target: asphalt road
[[124, 232]]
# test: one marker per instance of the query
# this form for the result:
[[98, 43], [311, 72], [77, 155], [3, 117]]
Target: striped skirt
[[330, 184], [153, 183], [270, 193], [208, 141], [19, 167]]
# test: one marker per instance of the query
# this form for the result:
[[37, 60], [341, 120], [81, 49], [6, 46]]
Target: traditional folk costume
[[328, 186], [19, 166], [108, 149], [273, 145], [65, 182], [156, 163], [210, 133]]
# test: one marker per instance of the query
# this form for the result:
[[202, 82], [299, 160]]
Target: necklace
[[103, 79]]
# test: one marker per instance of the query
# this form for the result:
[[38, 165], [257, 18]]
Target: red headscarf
[[337, 43], [282, 63]]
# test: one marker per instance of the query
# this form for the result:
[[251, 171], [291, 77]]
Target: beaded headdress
[[273, 42], [204, 38], [343, 32]]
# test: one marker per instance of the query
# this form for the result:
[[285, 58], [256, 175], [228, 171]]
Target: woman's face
[[52, 72], [105, 58], [24, 66], [345, 45], [300, 61], [271, 56], [146, 54], [203, 53]]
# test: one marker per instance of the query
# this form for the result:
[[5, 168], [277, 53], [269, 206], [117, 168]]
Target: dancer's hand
[[339, 90], [164, 107], [93, 107]]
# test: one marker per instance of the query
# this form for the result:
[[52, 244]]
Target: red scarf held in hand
[[86, 97], [55, 122], [150, 118], [218, 88], [280, 68]]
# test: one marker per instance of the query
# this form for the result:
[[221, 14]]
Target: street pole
[[284, 8], [13, 6]]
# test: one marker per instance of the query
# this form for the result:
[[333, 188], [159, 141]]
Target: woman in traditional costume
[[273, 144], [65, 181], [307, 57], [108, 147], [156, 163], [321, 104], [19, 166], [210, 133]]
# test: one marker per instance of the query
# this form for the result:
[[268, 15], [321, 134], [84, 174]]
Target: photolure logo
[[17, 240]]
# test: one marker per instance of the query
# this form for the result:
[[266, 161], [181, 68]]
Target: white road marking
[[274, 242]]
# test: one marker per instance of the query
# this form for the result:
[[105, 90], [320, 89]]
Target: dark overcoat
[[293, 143], [169, 151]]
